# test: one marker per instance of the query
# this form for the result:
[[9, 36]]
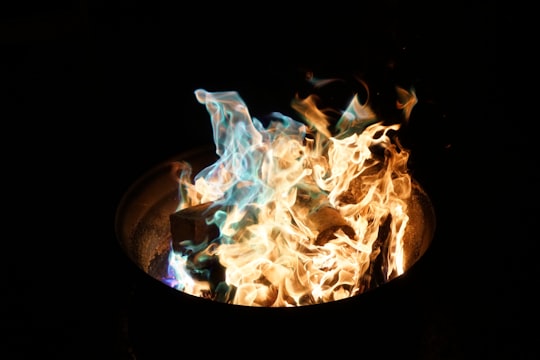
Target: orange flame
[[304, 216]]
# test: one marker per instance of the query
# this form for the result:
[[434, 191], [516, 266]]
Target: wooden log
[[378, 267], [189, 228], [327, 220], [191, 224]]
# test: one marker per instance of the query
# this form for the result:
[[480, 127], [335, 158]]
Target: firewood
[[189, 228], [327, 220], [191, 224], [377, 273]]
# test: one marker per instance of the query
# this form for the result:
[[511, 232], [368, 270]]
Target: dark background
[[95, 93]]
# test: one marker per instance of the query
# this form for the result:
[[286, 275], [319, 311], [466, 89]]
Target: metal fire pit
[[143, 226], [162, 316]]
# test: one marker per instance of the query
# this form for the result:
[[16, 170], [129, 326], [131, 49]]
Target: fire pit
[[282, 214]]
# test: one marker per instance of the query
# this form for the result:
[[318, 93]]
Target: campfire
[[282, 212]]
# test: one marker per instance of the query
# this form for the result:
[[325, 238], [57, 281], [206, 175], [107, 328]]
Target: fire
[[305, 213]]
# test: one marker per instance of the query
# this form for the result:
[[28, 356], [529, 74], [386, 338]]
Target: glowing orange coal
[[294, 212]]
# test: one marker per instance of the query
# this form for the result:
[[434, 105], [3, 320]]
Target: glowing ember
[[303, 213]]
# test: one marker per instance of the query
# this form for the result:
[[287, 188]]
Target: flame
[[306, 214]]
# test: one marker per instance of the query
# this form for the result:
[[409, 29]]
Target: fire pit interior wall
[[142, 223]]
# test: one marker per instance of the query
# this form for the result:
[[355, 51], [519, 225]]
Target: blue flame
[[244, 147]]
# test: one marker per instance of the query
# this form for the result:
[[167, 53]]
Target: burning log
[[323, 218], [189, 231], [378, 266], [327, 221], [191, 224]]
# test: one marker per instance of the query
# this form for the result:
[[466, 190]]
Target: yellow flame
[[302, 220]]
